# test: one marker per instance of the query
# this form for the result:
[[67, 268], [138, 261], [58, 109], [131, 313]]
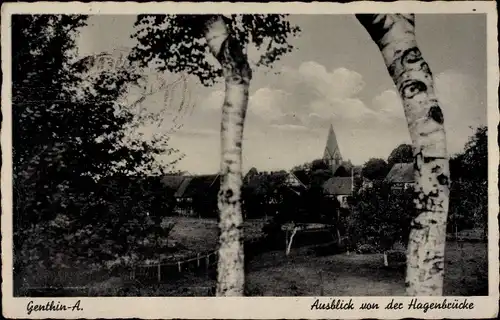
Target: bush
[[367, 249], [381, 217]]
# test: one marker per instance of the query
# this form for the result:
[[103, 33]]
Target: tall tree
[[180, 44], [469, 196], [375, 169], [395, 36], [401, 154], [68, 128]]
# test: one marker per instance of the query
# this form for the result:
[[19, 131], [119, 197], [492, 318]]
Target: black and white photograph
[[324, 153]]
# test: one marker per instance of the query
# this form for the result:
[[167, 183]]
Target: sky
[[334, 76]]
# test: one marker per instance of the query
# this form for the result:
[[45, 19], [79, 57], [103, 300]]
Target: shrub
[[380, 217], [367, 249]]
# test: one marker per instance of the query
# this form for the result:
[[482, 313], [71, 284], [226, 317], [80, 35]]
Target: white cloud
[[339, 84], [268, 103], [308, 89], [388, 104], [459, 99], [327, 94]]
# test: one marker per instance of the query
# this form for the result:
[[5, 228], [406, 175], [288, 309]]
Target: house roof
[[265, 182], [338, 186], [401, 173], [302, 176], [172, 181], [194, 185], [250, 175]]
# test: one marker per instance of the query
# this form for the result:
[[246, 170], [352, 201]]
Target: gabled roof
[[338, 186], [172, 181], [250, 175], [268, 182], [332, 150], [302, 176], [196, 185], [401, 173]]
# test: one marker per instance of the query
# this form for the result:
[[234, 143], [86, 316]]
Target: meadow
[[307, 271], [304, 273]]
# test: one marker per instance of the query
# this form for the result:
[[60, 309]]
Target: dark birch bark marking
[[395, 37], [237, 73]]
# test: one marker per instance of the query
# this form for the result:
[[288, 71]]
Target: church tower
[[332, 154]]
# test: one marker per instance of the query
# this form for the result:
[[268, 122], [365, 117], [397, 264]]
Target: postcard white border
[[248, 307]]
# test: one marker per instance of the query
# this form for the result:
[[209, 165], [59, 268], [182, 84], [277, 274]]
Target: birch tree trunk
[[395, 37], [237, 74]]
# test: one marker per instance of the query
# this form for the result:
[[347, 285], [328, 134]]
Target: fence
[[164, 271], [78, 281], [200, 262]]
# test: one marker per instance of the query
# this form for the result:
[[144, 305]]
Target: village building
[[401, 176], [297, 180], [332, 155], [196, 195], [340, 188], [172, 182]]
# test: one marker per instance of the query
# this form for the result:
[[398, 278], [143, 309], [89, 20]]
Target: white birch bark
[[395, 36], [237, 74]]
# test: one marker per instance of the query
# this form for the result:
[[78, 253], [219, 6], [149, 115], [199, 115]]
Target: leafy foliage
[[375, 169], [264, 194], [381, 216], [401, 154], [176, 42], [70, 130], [469, 185]]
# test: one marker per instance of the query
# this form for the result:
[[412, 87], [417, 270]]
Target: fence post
[[321, 288], [179, 266], [159, 272], [198, 260]]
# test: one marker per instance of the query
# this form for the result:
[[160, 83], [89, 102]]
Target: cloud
[[294, 113], [340, 83], [388, 104], [458, 95], [268, 103], [327, 94], [306, 95]]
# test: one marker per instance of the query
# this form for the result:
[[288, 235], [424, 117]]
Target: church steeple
[[332, 153]]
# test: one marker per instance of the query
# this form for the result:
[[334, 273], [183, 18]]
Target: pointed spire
[[332, 149]]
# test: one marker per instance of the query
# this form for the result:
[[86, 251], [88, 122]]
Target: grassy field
[[193, 235], [303, 273]]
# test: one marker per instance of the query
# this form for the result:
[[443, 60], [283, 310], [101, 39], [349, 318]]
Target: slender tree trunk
[[237, 73], [395, 37]]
